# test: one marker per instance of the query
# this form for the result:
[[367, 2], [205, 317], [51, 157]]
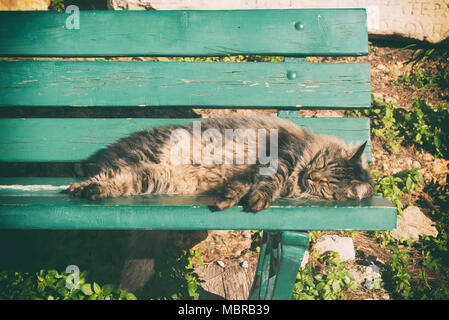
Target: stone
[[416, 19], [379, 95], [373, 277], [416, 164], [370, 276], [130, 5], [24, 5], [408, 161], [412, 224], [327, 114], [220, 263], [343, 245], [305, 259]]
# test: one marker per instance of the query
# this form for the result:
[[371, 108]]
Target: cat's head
[[336, 175]]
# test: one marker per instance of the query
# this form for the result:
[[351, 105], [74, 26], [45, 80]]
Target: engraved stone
[[418, 19], [24, 4], [130, 5]]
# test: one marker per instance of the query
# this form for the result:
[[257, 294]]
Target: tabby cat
[[227, 158]]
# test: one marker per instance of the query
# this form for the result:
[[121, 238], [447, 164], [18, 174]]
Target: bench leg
[[280, 257]]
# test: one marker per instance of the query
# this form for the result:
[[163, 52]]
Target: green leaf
[[130, 296], [409, 183], [86, 289], [97, 288], [420, 178], [107, 289], [192, 288], [336, 286]]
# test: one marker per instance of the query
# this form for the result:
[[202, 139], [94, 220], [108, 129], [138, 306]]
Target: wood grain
[[185, 33], [75, 139], [194, 84], [59, 211]]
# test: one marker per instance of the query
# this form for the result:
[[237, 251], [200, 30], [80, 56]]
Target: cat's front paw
[[225, 203], [92, 191], [75, 189], [258, 201]]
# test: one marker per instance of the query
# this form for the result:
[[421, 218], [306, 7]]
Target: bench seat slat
[[75, 139], [57, 211], [196, 84], [185, 33], [34, 185]]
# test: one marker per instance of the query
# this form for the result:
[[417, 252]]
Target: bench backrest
[[66, 111]]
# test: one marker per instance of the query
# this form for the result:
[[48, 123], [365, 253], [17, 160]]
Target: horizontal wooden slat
[[353, 131], [57, 211], [78, 139], [34, 185], [185, 33], [121, 83]]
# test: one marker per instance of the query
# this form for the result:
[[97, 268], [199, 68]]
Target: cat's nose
[[363, 190]]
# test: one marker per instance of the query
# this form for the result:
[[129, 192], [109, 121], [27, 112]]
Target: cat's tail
[[136, 273], [145, 247]]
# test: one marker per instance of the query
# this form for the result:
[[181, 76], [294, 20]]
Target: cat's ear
[[357, 154]]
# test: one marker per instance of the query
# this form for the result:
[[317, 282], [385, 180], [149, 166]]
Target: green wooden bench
[[58, 89]]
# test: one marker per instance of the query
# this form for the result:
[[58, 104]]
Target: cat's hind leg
[[121, 182], [108, 183]]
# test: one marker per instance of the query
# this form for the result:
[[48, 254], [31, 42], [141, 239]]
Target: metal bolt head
[[291, 75], [299, 25]]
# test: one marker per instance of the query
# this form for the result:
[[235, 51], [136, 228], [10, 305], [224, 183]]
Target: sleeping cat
[[227, 157]]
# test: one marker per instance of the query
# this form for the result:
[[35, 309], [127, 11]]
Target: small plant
[[331, 284], [57, 5], [418, 79], [384, 122], [384, 238], [427, 126], [52, 285], [399, 274], [394, 186], [191, 279]]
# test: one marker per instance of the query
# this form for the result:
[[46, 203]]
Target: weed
[[394, 186], [330, 284], [51, 285], [57, 5], [398, 274]]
